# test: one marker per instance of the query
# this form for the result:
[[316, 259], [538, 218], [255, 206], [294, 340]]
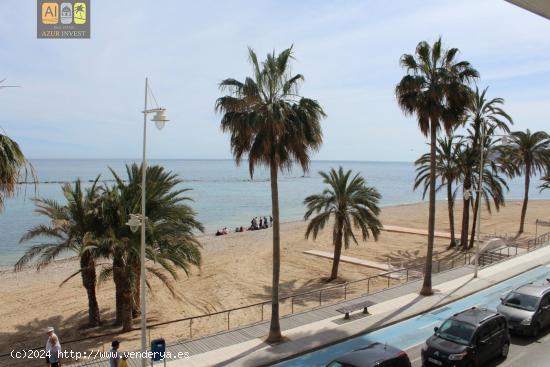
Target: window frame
[[485, 327]]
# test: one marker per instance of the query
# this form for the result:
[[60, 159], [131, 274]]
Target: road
[[410, 334]]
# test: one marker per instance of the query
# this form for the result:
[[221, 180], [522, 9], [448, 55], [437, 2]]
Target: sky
[[83, 98]]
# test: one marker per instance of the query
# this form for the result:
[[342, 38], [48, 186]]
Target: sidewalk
[[324, 325]]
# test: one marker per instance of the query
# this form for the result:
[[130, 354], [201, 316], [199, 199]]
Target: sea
[[224, 195]]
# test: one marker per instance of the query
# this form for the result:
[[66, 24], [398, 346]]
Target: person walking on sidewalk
[[50, 331], [55, 351], [114, 357]]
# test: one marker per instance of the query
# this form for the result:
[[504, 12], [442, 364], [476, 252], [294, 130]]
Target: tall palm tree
[[447, 169], [171, 228], [529, 154], [486, 117], [494, 184], [434, 89], [74, 226], [273, 126], [351, 203]]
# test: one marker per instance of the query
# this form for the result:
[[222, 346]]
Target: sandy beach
[[236, 271]]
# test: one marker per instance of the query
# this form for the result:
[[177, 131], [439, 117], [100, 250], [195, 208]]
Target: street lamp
[[469, 193], [138, 220]]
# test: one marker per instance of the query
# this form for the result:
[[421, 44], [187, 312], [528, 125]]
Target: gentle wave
[[183, 180]]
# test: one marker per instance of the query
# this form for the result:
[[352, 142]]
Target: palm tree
[[351, 203], [14, 167], [271, 124], [529, 154], [74, 226], [13, 164], [447, 169], [434, 90], [170, 235], [485, 116], [494, 183]]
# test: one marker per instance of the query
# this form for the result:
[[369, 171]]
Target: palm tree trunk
[[275, 327], [474, 222], [127, 301], [337, 250], [89, 280], [525, 197], [118, 305], [450, 206], [465, 224], [427, 285], [465, 214], [117, 277]]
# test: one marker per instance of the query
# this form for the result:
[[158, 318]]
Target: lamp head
[[467, 194], [160, 118], [134, 223]]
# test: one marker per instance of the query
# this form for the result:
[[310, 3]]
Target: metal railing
[[299, 302], [538, 241]]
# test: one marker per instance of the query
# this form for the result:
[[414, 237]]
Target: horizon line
[[207, 159]]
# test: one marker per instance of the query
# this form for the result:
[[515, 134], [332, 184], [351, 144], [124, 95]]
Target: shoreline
[[210, 235]]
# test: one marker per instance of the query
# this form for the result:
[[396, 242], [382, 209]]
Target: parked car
[[469, 338], [376, 354], [527, 308]]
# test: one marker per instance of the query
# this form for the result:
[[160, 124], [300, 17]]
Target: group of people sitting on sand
[[221, 232], [260, 223], [255, 224]]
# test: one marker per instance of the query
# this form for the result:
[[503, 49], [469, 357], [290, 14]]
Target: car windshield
[[521, 301], [456, 331]]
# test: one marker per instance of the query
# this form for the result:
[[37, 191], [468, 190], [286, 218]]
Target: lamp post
[[139, 220], [468, 194]]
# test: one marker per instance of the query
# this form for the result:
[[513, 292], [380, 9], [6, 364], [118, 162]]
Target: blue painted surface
[[411, 332]]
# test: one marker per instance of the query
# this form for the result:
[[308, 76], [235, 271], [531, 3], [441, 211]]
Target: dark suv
[[374, 355], [527, 308], [469, 338]]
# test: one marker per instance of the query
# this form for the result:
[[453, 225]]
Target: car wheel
[[536, 331], [504, 350]]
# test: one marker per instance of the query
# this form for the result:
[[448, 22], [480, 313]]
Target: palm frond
[[70, 277]]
